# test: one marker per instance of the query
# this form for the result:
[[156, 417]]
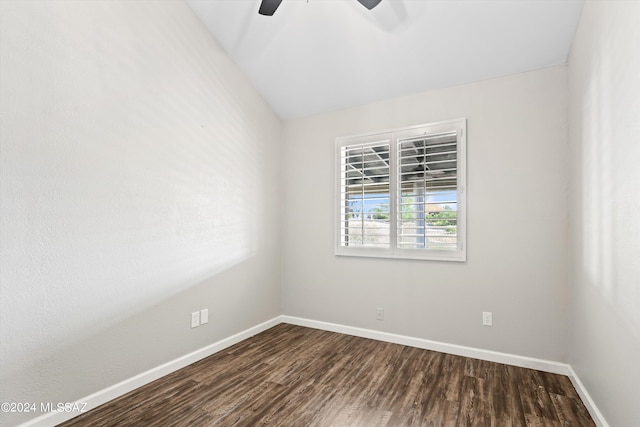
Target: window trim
[[393, 136]]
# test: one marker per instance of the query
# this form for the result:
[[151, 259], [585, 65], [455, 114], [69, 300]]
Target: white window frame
[[394, 137]]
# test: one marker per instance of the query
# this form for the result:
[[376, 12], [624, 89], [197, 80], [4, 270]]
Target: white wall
[[517, 222], [604, 77], [139, 180]]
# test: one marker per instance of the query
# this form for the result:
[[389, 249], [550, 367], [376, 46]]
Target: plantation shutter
[[365, 191], [427, 195], [401, 193]]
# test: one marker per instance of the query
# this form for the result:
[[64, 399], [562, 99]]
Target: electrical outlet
[[195, 319], [204, 316], [379, 313], [487, 318]]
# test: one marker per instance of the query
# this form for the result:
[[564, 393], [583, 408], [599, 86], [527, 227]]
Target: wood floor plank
[[569, 409], [535, 399], [295, 376]]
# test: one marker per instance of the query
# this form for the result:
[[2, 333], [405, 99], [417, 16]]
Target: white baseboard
[[475, 353], [103, 396], [595, 413]]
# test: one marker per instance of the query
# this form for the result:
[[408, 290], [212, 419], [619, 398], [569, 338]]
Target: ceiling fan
[[268, 7]]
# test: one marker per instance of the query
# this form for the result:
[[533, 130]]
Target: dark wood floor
[[295, 376]]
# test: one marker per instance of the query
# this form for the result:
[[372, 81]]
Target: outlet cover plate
[[487, 318], [195, 319]]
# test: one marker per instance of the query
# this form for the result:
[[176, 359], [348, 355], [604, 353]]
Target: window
[[401, 194]]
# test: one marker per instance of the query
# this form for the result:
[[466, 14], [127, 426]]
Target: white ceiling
[[322, 55]]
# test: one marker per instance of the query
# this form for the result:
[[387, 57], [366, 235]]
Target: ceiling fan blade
[[268, 7], [369, 4]]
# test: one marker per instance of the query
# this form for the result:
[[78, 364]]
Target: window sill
[[458, 256]]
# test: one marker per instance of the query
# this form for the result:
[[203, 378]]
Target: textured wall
[[139, 180], [604, 79], [517, 231]]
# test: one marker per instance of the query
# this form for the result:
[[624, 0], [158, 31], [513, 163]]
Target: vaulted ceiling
[[314, 56]]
